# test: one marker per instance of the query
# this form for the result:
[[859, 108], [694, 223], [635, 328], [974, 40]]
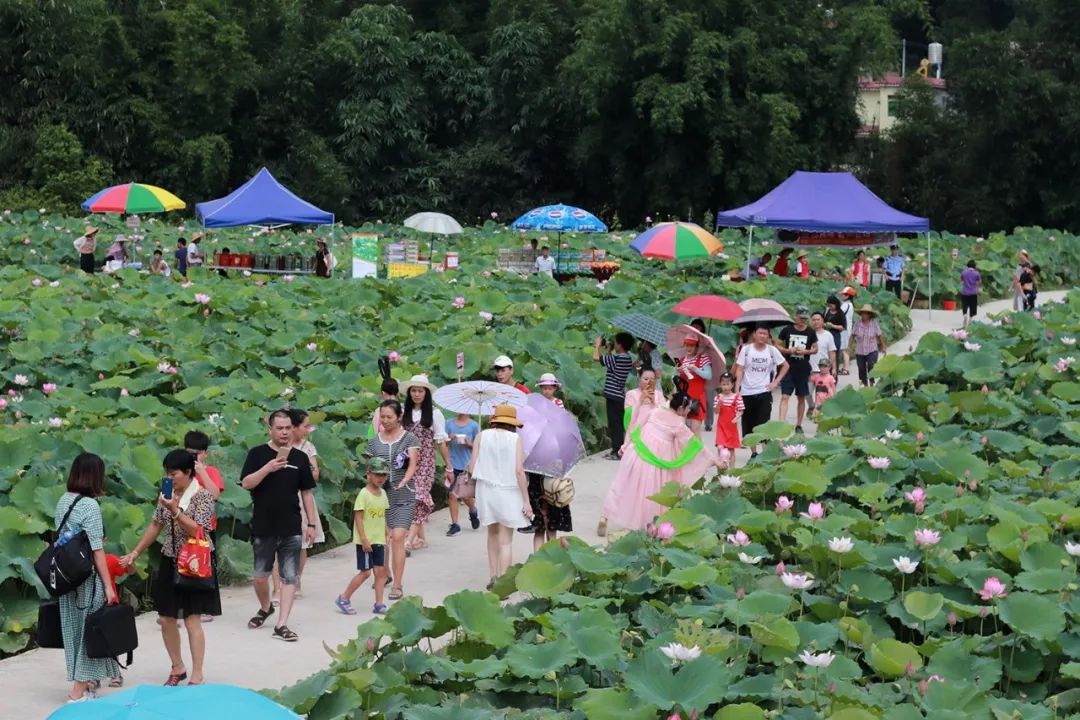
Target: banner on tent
[[838, 239], [365, 254]]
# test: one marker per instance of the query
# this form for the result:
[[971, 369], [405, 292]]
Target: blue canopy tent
[[262, 200], [826, 202]]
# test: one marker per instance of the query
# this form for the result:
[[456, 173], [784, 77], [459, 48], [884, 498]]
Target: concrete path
[[33, 682]]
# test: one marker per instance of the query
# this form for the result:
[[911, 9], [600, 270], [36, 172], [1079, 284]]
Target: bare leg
[[288, 596], [800, 410], [493, 550], [170, 633], [505, 539], [397, 542], [78, 689], [380, 583], [262, 592], [453, 505], [197, 642], [847, 360], [277, 582], [539, 538], [354, 584], [303, 562], [782, 417]]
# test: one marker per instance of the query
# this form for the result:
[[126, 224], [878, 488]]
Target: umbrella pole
[[558, 253], [431, 252]]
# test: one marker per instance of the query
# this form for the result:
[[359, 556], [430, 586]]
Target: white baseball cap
[[503, 361]]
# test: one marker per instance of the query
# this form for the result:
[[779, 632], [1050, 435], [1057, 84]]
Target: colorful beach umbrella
[[133, 198], [676, 241]]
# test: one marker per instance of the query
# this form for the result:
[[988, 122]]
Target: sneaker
[[379, 608], [454, 530], [798, 429], [474, 519], [282, 632]]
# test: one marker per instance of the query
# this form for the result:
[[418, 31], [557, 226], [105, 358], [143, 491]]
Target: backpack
[[63, 566], [110, 632]]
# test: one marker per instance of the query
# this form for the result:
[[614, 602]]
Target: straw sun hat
[[867, 308], [506, 415], [417, 381]]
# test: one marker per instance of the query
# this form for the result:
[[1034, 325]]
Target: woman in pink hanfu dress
[[661, 450]]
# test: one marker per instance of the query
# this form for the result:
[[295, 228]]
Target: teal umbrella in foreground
[[187, 702]]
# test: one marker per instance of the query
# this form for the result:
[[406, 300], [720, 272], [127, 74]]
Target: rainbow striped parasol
[[133, 198], [676, 241]]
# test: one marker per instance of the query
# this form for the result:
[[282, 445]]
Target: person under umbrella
[[695, 368], [754, 381], [548, 520]]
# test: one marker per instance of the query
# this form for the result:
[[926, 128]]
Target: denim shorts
[[370, 560], [287, 551]]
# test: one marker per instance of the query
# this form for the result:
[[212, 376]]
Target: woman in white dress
[[502, 494]]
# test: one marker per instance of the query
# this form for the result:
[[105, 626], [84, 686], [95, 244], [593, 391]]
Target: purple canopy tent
[[825, 202]]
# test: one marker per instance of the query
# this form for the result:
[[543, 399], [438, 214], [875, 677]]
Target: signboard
[[365, 254], [838, 239]]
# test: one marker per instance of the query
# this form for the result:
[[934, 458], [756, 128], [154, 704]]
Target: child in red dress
[[729, 410]]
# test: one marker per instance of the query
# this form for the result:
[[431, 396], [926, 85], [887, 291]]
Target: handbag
[[110, 632], [193, 566], [558, 492], [464, 487], [65, 564], [50, 633]]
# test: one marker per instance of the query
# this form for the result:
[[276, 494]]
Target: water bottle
[[64, 537]]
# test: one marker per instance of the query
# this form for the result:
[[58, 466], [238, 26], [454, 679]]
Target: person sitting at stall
[[118, 251], [195, 255], [158, 266]]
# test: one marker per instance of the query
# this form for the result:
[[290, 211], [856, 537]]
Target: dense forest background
[[627, 107]]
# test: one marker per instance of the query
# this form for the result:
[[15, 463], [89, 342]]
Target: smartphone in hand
[[166, 487], [283, 453]]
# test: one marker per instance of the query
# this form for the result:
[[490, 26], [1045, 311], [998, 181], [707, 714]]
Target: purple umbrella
[[551, 437]]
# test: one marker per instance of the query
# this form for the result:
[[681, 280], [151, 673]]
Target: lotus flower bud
[[923, 687], [740, 593], [909, 670], [919, 437], [973, 485], [983, 612], [1024, 535], [959, 490], [370, 645], [983, 440], [831, 689], [985, 390], [951, 619]]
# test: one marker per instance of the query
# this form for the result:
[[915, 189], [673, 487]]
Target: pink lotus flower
[[3, 403], [206, 312], [202, 298], [879, 463], [781, 568], [796, 581], [48, 388], [784, 503], [486, 315], [494, 215], [917, 497], [992, 588], [312, 346], [486, 273], [927, 537], [459, 302], [173, 370], [36, 282], [26, 241], [665, 531], [740, 538], [794, 451], [393, 356], [960, 334], [919, 437], [55, 422], [1037, 315], [816, 511], [101, 376], [123, 392], [1065, 363]]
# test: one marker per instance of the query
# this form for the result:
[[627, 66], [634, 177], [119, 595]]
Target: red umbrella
[[676, 348], [712, 307]]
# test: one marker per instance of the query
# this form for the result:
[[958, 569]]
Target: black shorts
[[796, 381], [758, 410], [969, 304], [370, 560]]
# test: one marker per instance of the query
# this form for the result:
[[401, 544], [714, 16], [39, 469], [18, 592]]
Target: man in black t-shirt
[[279, 477], [797, 343]]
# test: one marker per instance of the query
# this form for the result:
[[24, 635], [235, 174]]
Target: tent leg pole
[[431, 252], [749, 249], [929, 279]]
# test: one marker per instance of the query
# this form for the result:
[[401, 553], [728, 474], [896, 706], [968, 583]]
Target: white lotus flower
[[729, 481], [1068, 340], [879, 463], [751, 559], [55, 422], [905, 564], [795, 581], [22, 380], [841, 545], [1072, 548], [819, 660], [893, 434], [680, 653], [973, 347]]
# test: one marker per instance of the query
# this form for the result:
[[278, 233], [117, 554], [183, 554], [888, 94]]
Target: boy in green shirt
[[369, 536]]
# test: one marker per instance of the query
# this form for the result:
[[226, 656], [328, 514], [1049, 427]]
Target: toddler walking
[[729, 410], [369, 536], [824, 383]]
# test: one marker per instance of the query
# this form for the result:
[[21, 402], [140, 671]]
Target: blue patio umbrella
[[559, 219], [188, 702]]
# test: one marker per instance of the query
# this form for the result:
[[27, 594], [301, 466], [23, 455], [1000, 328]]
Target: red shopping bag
[[193, 560]]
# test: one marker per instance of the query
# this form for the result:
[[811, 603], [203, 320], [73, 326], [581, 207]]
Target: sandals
[[282, 632], [117, 681], [260, 618], [175, 679], [396, 593], [601, 528], [420, 544], [844, 371], [344, 606]]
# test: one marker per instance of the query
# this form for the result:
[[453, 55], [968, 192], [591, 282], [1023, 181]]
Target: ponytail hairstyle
[[678, 401]]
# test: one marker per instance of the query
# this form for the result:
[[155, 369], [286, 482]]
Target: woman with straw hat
[[428, 424], [867, 342], [86, 245], [502, 495]]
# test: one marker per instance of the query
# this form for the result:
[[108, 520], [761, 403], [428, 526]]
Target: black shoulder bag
[[63, 568]]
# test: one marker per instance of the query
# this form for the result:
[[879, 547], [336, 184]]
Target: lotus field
[[915, 560]]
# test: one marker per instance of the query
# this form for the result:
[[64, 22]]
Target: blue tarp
[[823, 202], [262, 200]]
